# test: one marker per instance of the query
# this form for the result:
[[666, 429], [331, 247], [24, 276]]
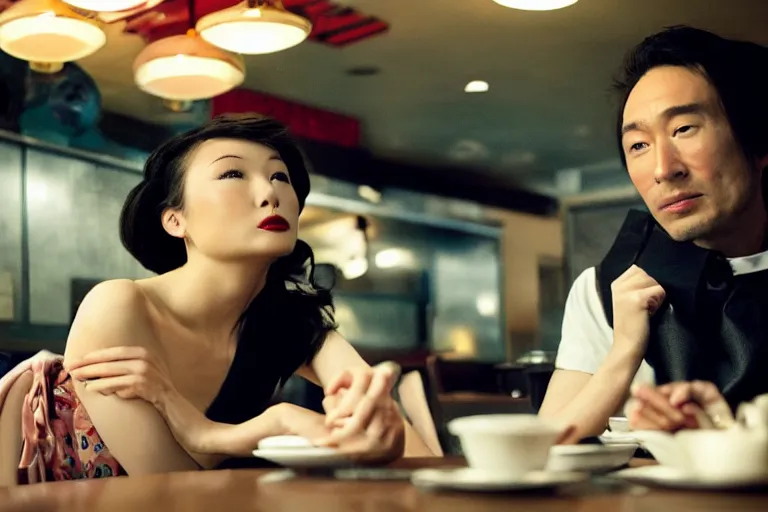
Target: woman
[[232, 314]]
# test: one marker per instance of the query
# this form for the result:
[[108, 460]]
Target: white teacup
[[736, 453], [754, 414], [619, 424], [509, 444], [733, 454]]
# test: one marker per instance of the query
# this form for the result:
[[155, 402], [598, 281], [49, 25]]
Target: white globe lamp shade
[[536, 5], [106, 5], [187, 68], [47, 34], [252, 28]]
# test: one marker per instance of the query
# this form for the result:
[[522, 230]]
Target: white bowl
[[512, 444], [589, 457]]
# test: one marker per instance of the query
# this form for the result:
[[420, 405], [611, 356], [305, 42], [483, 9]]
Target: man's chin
[[687, 229]]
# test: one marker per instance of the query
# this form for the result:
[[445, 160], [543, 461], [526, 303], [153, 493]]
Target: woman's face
[[238, 202]]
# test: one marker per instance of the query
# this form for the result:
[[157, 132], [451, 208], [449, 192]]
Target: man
[[679, 300]]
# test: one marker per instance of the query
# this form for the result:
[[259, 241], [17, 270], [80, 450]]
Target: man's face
[[683, 158]]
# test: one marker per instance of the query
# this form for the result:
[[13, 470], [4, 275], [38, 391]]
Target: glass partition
[[404, 282]]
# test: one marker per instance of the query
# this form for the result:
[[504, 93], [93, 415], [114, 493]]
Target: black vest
[[713, 325]]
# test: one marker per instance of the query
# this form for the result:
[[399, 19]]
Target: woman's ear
[[174, 223]]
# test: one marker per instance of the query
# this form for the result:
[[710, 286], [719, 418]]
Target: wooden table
[[260, 490]]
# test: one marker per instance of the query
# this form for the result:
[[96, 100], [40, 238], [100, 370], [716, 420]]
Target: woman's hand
[[678, 405], [295, 420], [364, 418], [131, 372], [128, 372]]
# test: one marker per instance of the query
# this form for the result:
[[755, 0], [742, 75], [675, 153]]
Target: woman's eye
[[231, 174], [637, 146], [281, 176]]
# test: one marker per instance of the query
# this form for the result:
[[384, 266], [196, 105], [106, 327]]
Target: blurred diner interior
[[464, 168]]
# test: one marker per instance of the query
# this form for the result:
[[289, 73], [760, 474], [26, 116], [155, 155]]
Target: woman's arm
[[210, 441], [337, 356], [114, 313], [131, 372], [129, 390]]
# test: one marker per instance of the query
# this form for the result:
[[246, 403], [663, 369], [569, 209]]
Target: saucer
[[468, 479], [589, 457], [284, 443], [314, 457], [666, 476]]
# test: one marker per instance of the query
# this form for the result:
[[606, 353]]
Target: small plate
[[665, 476], [316, 457], [468, 479], [589, 457]]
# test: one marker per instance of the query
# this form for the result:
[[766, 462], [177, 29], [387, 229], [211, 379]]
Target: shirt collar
[[749, 264]]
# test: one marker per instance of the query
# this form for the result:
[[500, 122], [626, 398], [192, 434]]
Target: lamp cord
[[192, 14]]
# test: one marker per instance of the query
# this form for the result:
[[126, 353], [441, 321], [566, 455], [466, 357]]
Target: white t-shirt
[[587, 337]]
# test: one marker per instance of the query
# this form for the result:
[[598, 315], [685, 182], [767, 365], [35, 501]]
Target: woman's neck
[[211, 296]]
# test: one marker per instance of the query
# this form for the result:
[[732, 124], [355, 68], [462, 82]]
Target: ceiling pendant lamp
[[106, 5], [186, 68], [254, 27], [47, 33], [536, 5]]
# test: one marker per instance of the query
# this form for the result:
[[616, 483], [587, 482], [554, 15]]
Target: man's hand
[[636, 298]]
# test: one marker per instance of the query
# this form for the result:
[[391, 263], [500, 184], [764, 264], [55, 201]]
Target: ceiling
[[548, 107]]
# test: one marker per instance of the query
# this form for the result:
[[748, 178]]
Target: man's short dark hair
[[738, 70]]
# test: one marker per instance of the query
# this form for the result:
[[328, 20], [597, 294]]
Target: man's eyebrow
[[669, 113], [679, 110]]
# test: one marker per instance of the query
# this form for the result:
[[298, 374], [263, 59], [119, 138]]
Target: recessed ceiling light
[[536, 5], [476, 86], [363, 71]]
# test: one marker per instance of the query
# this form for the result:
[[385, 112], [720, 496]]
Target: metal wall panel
[[73, 208], [10, 232]]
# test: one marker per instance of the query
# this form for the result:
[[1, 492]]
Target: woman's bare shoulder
[[114, 313]]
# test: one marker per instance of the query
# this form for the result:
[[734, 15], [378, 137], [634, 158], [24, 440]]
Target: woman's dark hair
[[736, 70], [291, 309]]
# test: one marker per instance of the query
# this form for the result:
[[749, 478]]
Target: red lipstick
[[274, 223]]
